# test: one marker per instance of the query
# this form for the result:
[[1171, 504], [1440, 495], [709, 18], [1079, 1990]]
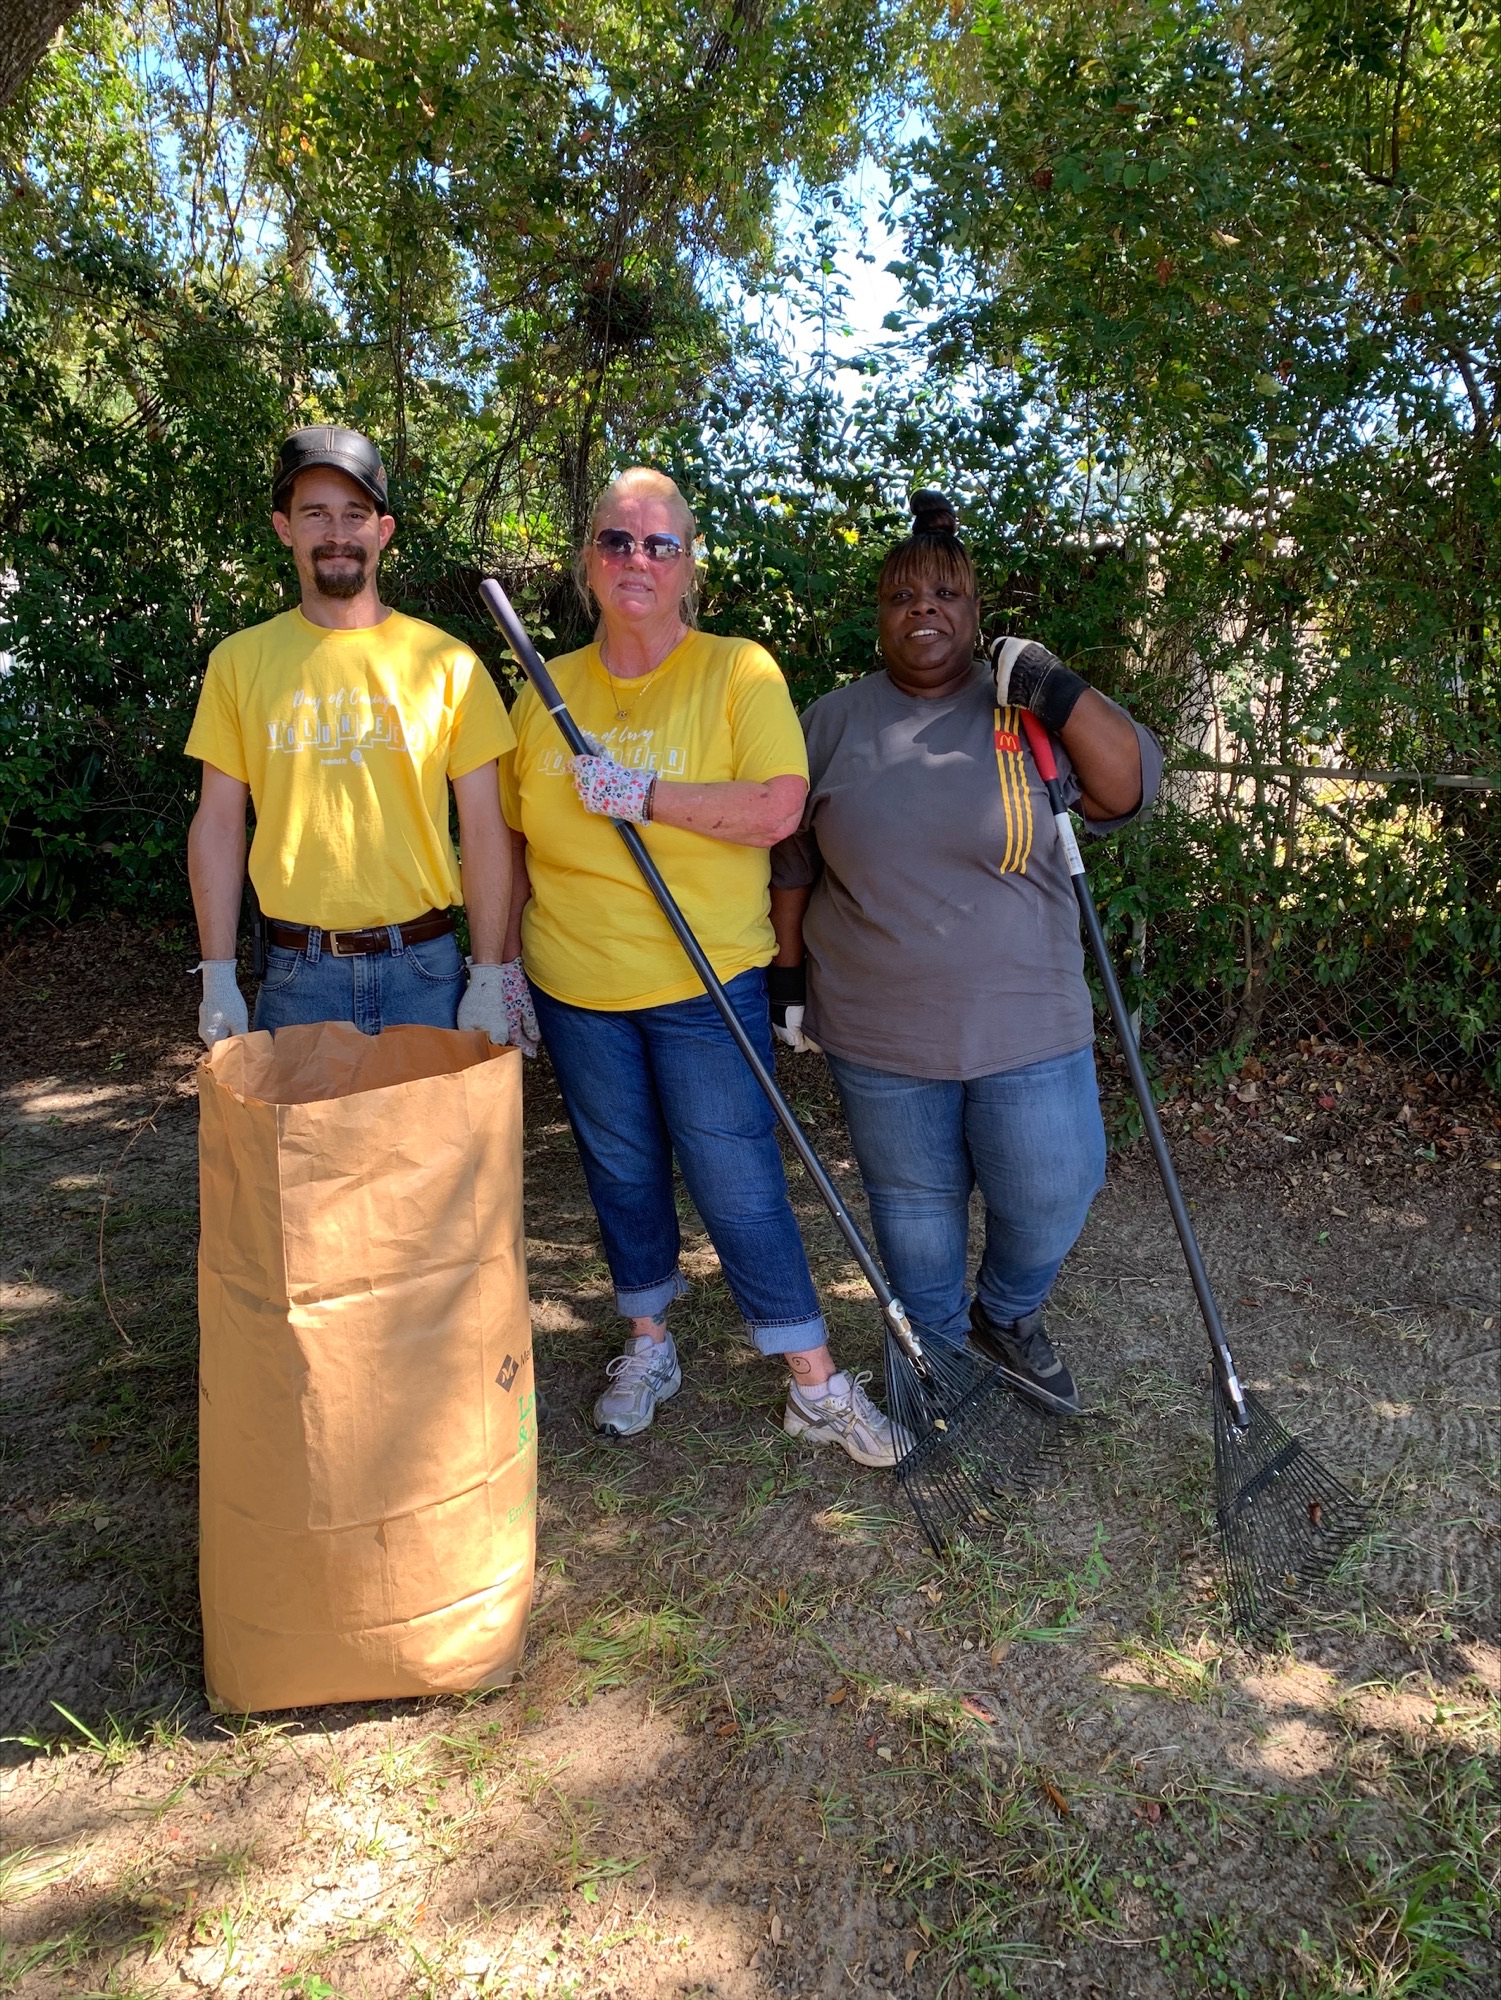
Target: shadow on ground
[[764, 1741]]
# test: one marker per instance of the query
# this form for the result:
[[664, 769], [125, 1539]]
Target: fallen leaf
[[1056, 1798], [999, 1651], [1326, 1103], [776, 1930], [888, 1867], [870, 1743], [839, 1695], [911, 1959], [782, 1598], [904, 1632], [883, 1751], [932, 1593], [728, 1729], [976, 1709], [1149, 1809]]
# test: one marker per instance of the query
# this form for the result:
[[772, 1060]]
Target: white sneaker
[[645, 1375], [839, 1412]]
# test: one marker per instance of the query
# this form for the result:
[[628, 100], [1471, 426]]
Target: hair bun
[[933, 514]]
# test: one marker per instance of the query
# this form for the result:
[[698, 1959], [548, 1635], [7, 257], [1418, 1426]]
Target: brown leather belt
[[353, 944]]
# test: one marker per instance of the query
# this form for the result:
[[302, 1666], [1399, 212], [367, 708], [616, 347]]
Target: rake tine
[[1257, 1463], [1285, 1521]]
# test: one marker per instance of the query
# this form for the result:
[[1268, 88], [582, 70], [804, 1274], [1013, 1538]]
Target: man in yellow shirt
[[344, 724]]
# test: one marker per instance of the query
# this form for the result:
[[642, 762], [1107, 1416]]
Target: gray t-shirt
[[942, 934]]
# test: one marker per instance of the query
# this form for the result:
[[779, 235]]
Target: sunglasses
[[619, 545]]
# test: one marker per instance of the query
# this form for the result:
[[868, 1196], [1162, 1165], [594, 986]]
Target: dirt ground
[[764, 1742]]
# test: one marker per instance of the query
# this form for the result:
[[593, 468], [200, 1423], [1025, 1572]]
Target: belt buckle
[[335, 949]]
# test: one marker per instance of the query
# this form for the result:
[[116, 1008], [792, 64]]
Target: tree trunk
[[26, 27]]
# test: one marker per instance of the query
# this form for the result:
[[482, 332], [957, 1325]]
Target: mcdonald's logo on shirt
[[1016, 793]]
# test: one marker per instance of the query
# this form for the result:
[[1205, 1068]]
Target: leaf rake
[[1284, 1519]]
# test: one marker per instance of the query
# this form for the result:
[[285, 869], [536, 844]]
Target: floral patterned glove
[[606, 787], [524, 1030]]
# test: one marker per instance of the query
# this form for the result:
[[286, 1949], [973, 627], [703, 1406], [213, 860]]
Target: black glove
[[1029, 676]]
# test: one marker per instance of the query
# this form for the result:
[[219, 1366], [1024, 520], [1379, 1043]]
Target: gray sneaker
[[645, 1375], [839, 1412]]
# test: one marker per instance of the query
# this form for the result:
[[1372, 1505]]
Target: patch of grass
[[619, 1644], [838, 1816], [16, 1960], [862, 1524], [28, 1870], [1423, 1935], [1180, 1674], [113, 1748]]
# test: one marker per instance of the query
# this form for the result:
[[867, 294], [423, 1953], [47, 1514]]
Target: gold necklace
[[623, 714]]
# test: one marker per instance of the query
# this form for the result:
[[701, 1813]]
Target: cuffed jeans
[[412, 985], [1034, 1142], [642, 1085]]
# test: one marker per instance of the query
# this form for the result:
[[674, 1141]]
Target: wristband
[[787, 985], [1056, 697]]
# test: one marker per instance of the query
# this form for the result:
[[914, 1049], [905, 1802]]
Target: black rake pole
[[1284, 1520]]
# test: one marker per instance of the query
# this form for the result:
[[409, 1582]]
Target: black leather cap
[[344, 450]]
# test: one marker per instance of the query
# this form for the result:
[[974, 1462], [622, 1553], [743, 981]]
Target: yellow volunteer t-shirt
[[715, 710], [347, 741]]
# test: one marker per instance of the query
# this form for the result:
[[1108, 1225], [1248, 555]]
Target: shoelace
[[1037, 1350], [638, 1367], [859, 1409]]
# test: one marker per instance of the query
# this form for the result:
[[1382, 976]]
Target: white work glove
[[786, 993], [524, 1030], [484, 1002], [789, 1029], [222, 1011]]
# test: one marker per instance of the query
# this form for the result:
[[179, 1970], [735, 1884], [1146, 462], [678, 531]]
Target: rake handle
[[533, 666], [1047, 770]]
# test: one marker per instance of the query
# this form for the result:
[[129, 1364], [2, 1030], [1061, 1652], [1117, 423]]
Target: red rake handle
[[1047, 770]]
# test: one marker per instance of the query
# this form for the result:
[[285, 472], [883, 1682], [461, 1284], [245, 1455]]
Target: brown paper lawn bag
[[368, 1453]]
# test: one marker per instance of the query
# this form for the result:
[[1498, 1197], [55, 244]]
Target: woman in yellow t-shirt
[[699, 742]]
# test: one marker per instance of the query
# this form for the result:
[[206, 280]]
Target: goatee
[[339, 582]]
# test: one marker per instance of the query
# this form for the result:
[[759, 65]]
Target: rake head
[[1284, 1519], [974, 1438]]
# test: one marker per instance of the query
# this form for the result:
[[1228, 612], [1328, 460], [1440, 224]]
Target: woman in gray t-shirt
[[928, 943]]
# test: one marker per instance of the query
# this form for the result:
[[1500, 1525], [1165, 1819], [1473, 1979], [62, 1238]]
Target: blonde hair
[[641, 482]]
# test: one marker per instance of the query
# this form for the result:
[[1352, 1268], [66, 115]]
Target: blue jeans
[[642, 1085], [1034, 1141], [412, 985]]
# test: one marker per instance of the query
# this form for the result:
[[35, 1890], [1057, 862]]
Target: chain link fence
[[1267, 914]]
